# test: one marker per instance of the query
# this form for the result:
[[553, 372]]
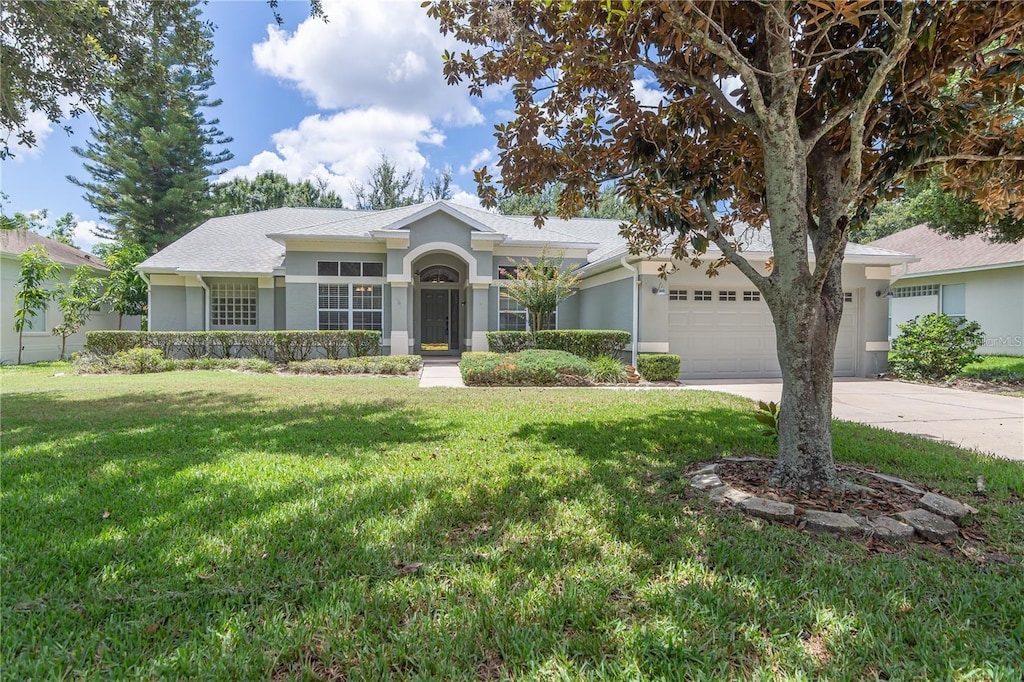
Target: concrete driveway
[[970, 419]]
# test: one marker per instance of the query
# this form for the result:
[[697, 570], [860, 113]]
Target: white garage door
[[728, 333]]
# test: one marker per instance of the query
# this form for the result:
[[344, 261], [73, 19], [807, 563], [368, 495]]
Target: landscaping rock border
[[937, 518]]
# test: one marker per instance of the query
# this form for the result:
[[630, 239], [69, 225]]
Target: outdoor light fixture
[[659, 290], [887, 292]]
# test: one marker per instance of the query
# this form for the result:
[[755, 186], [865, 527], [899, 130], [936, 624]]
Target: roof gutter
[[636, 306]]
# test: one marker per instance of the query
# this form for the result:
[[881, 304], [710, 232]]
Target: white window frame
[[751, 296], [362, 268], [514, 307], [350, 310], [677, 294], [702, 295], [233, 305]]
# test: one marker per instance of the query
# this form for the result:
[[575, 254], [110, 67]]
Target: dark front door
[[434, 312]]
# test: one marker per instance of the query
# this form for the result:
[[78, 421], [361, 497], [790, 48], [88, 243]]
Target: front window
[[232, 305], [513, 317], [350, 306]]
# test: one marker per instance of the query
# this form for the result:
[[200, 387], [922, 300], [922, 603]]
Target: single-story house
[[430, 278], [971, 278], [38, 339]]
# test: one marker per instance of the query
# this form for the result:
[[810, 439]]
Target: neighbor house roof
[[17, 242], [939, 253], [253, 243]]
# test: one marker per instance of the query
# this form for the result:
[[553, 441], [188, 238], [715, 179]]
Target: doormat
[[431, 347]]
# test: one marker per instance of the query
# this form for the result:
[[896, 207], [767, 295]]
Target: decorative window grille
[[751, 296], [726, 295], [702, 294], [677, 294], [232, 305], [847, 297], [917, 290]]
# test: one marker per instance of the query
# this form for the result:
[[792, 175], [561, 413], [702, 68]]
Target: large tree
[[269, 190], [152, 155], [788, 116]]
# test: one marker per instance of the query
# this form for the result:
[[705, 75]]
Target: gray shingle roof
[[17, 242], [253, 242], [940, 253]]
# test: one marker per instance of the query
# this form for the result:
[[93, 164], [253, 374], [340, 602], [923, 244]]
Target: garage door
[[728, 333]]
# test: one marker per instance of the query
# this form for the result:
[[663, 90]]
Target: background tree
[[77, 300], [390, 188], [62, 231], [926, 201], [269, 190], [153, 152], [539, 286], [126, 292], [30, 292], [546, 203], [789, 116]]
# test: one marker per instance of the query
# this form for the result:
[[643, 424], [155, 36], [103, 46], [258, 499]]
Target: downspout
[[149, 300], [636, 305], [206, 302]]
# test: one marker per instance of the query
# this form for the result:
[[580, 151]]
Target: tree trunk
[[20, 346], [806, 331], [119, 318], [63, 346]]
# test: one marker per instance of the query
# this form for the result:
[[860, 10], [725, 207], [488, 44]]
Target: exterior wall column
[[400, 308], [479, 317]]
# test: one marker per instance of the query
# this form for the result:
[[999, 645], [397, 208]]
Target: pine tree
[[151, 157]]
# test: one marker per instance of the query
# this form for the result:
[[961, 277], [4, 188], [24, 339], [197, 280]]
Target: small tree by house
[[78, 299], [30, 293], [540, 286], [126, 292]]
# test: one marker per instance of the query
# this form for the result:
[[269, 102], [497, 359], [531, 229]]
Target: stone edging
[[936, 517]]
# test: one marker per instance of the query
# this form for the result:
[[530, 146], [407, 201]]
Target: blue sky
[[307, 99]]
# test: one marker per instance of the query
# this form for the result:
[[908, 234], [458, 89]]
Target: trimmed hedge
[[585, 343], [379, 364], [934, 346], [525, 368], [658, 366], [280, 346]]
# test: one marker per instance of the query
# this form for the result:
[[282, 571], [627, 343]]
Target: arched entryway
[[439, 304]]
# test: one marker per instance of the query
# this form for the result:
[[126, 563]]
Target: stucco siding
[[303, 263], [993, 298], [607, 306], [40, 344]]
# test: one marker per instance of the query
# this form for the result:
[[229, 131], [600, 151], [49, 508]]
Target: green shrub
[[658, 366], [586, 343], [934, 346], [526, 368], [282, 346], [373, 364], [604, 370], [140, 361], [509, 342]]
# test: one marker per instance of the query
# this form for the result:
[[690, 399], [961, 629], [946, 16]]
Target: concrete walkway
[[970, 419], [441, 372]]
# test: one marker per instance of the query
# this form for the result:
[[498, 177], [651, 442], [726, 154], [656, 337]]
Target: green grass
[[230, 526], [1001, 368]]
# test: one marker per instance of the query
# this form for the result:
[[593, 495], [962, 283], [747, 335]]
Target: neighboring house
[[971, 277], [429, 277], [38, 339]]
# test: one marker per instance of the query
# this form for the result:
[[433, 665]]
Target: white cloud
[[343, 147], [464, 198], [480, 158], [647, 97], [37, 122], [84, 238], [385, 54]]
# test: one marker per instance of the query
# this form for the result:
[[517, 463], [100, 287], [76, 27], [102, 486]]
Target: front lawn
[[250, 526], [1003, 368]]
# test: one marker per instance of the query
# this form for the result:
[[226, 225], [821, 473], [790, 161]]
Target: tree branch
[[709, 87], [730, 253]]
